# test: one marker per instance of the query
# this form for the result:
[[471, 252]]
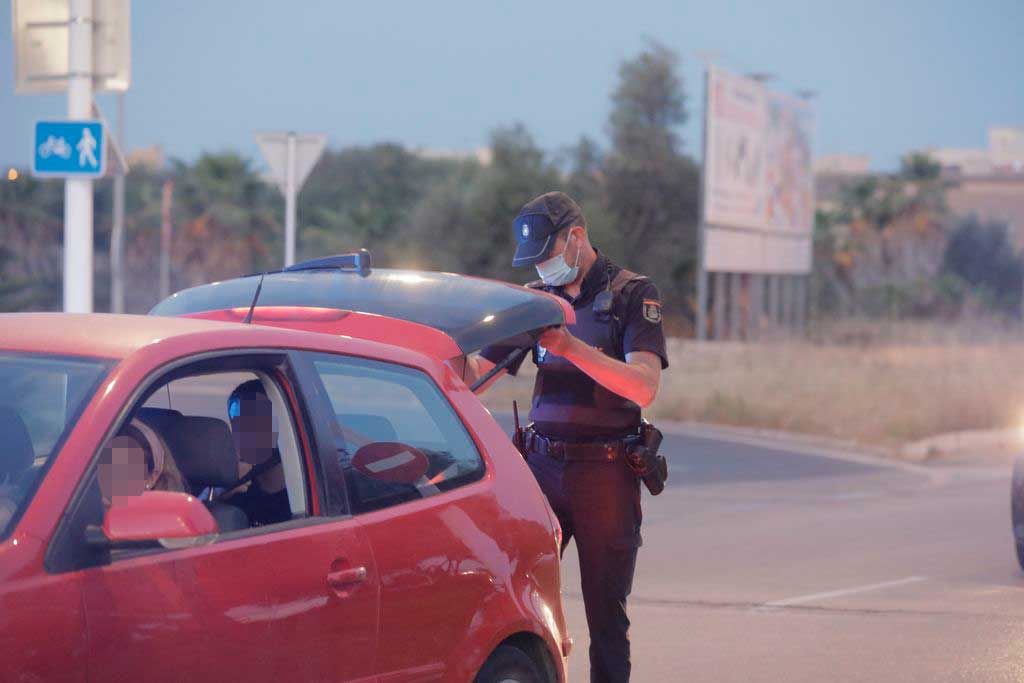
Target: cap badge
[[526, 230]]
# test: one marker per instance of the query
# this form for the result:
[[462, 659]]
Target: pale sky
[[890, 76]]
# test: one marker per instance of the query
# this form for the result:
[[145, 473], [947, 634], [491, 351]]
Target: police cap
[[538, 221]]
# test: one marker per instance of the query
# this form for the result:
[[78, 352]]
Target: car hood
[[473, 312]]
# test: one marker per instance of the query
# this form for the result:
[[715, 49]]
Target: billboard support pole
[[788, 299], [702, 274], [735, 282], [753, 288], [166, 197], [78, 208], [773, 301], [802, 304], [718, 324]]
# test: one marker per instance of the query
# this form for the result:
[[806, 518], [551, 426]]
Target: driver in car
[[265, 500]]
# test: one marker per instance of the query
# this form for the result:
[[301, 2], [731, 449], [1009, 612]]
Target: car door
[[438, 561], [289, 600]]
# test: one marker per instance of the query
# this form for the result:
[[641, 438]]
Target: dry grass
[[873, 384]]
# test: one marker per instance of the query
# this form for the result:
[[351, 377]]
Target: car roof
[[117, 336], [472, 311], [103, 335]]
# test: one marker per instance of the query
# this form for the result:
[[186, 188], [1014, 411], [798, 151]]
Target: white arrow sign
[[291, 157]]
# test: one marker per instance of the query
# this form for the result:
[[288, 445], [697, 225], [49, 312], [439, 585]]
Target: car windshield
[[43, 396]]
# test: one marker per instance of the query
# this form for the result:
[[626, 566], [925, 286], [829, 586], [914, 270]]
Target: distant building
[[832, 172], [963, 162], [989, 183], [843, 164], [483, 155], [1006, 145], [993, 197], [151, 158], [1003, 156]]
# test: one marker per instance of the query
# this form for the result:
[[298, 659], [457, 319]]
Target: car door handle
[[343, 579]]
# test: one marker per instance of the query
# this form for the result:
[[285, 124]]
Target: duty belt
[[592, 451]]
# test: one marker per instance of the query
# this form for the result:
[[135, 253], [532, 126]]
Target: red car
[[189, 499]]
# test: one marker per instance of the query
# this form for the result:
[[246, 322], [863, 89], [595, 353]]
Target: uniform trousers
[[598, 505]]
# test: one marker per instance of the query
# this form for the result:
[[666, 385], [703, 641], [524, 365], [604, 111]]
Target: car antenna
[[255, 298]]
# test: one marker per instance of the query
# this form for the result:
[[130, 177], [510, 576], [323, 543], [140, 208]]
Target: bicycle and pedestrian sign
[[69, 149]]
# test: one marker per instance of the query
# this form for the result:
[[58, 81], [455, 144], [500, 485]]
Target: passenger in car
[[137, 460], [265, 500]]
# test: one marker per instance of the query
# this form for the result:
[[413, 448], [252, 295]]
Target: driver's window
[[232, 438], [227, 437]]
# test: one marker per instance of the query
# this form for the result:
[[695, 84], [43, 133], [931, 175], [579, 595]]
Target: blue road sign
[[69, 149]]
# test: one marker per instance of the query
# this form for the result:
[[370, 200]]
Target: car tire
[[509, 664], [1017, 509]]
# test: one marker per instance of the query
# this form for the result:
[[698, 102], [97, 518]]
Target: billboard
[[40, 29], [758, 178]]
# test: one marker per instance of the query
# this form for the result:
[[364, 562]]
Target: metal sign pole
[[117, 233], [165, 238], [289, 200], [78, 191]]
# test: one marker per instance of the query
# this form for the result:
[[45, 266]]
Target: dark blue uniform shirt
[[567, 403]]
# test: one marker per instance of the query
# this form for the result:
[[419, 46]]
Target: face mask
[[555, 272]]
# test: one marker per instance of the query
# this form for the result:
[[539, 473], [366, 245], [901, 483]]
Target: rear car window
[[396, 435], [43, 396]]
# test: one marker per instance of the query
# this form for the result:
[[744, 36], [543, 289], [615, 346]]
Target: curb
[[802, 444], [970, 440]]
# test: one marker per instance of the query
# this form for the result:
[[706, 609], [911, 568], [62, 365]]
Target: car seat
[[16, 465], [205, 453]]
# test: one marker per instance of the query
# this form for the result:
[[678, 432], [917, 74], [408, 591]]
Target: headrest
[[203, 450], [18, 452], [157, 418]]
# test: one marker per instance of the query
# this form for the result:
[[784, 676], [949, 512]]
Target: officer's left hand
[[556, 340]]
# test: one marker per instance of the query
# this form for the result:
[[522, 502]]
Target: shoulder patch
[[652, 311]]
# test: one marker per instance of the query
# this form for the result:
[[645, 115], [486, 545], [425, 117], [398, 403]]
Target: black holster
[[645, 461], [519, 440]]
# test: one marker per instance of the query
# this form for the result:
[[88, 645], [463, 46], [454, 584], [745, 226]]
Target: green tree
[[465, 223], [982, 255], [31, 231], [364, 197], [652, 188]]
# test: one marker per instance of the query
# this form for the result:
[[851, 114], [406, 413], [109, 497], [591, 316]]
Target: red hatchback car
[[316, 496]]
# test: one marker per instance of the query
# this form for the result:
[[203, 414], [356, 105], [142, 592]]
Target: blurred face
[[122, 469], [253, 428]]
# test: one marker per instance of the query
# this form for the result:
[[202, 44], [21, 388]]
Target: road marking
[[801, 599]]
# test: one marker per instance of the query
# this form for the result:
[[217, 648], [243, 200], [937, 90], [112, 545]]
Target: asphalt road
[[787, 564]]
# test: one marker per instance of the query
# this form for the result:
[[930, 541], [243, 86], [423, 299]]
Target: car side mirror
[[169, 518]]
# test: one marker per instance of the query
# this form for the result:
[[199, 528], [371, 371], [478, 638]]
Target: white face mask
[[555, 272]]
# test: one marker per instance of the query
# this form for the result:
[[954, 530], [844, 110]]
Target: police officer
[[593, 378]]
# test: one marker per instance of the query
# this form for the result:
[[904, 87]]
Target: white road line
[[801, 599]]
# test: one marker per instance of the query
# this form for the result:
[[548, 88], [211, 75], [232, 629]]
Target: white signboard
[[306, 149], [291, 157], [40, 30], [758, 178]]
